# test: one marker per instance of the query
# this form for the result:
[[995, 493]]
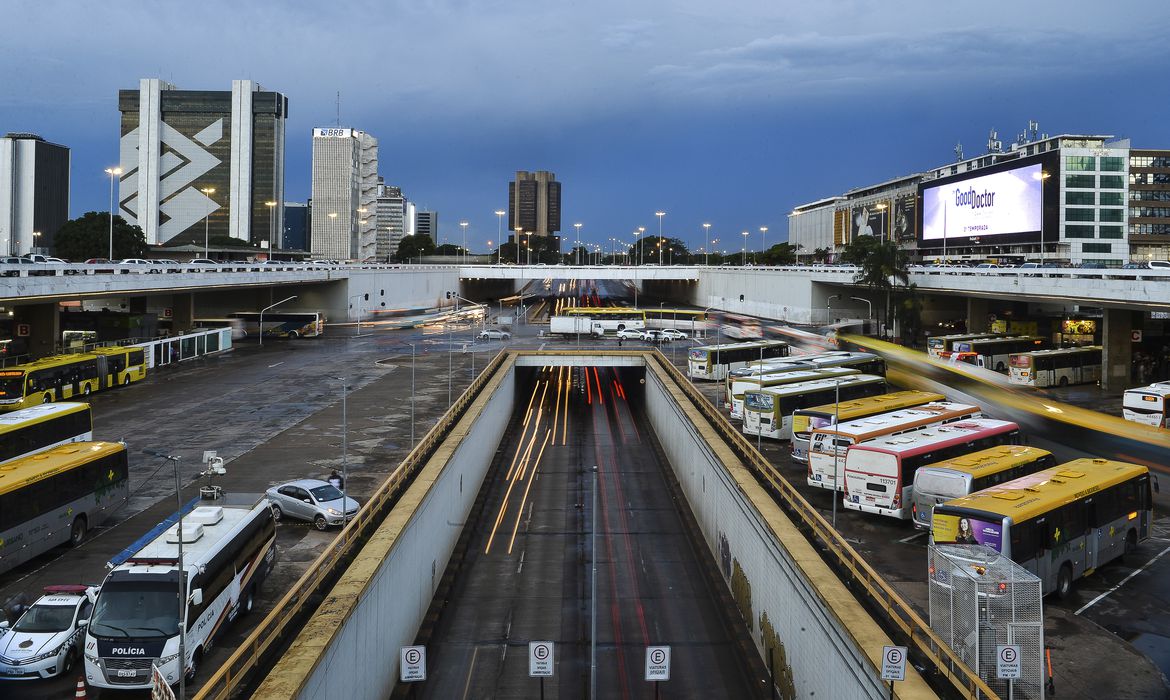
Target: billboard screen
[[868, 221], [999, 204]]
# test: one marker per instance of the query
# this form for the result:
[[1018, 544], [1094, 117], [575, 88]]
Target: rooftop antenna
[[958, 151], [1033, 126], [994, 145]]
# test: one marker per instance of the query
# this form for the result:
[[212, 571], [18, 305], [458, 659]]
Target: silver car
[[316, 501]]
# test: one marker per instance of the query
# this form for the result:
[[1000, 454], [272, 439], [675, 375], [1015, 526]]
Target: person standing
[[336, 481]]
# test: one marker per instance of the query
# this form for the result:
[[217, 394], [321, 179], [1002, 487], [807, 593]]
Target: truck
[[571, 325]]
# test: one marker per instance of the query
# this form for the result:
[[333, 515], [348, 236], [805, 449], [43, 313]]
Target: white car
[[629, 334], [46, 640], [653, 335], [673, 334], [494, 334]]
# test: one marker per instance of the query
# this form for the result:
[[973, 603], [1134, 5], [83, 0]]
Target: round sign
[[657, 656], [894, 656], [540, 651], [412, 656], [1008, 654]]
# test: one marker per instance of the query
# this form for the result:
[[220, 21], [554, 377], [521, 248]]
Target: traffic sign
[[23, 330], [657, 663], [540, 659], [893, 663], [1135, 335], [1007, 662], [412, 666]]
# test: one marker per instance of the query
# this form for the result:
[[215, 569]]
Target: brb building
[[199, 164]]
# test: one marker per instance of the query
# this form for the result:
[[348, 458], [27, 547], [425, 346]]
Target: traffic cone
[[80, 694]]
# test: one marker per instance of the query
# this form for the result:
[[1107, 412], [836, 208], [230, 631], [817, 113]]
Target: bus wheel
[[293, 334], [1064, 381], [77, 532], [249, 600], [87, 390], [1130, 543], [126, 380], [48, 398], [1063, 581]]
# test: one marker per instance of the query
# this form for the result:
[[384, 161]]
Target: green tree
[[908, 313], [413, 247], [88, 236], [781, 254], [448, 249], [821, 254], [883, 267]]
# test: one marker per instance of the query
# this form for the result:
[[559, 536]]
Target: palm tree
[[882, 266]]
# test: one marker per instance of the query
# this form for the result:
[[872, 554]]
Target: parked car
[[98, 261], [56, 261], [202, 261], [494, 334], [316, 501], [46, 640], [37, 257], [653, 335], [674, 334], [1158, 264], [629, 334], [141, 263]]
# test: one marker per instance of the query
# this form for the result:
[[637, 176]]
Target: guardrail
[[292, 609], [874, 590], [61, 270]]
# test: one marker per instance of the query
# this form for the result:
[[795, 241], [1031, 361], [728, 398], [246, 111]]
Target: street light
[[174, 459], [881, 207], [660, 214], [262, 316], [869, 308], [500, 230], [271, 224], [641, 257], [706, 245], [36, 238], [113, 173], [529, 246], [745, 235], [516, 238], [208, 191], [763, 240], [577, 249], [463, 225]]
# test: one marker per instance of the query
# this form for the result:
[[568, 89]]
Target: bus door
[[103, 372], [1099, 540]]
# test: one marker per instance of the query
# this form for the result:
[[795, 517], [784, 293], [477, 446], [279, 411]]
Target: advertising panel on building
[[869, 220], [1010, 203]]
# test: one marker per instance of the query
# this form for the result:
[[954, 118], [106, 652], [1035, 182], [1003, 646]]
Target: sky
[[730, 113]]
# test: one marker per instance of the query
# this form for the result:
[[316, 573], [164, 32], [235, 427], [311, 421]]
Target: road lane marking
[[521, 566], [276, 365], [470, 671], [1124, 581], [911, 538]]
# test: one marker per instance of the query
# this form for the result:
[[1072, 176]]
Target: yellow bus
[[63, 377], [1060, 523], [787, 375], [768, 412], [961, 476], [30, 430], [806, 420]]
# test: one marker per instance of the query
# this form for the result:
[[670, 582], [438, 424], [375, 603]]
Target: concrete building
[[1149, 205], [426, 223], [34, 192], [179, 145], [296, 226], [534, 205], [345, 189], [390, 219]]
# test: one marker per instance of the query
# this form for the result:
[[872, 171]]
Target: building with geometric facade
[[345, 190], [534, 205], [34, 192], [178, 145]]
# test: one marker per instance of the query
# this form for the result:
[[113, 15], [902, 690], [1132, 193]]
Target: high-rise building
[[411, 218], [191, 155], [345, 191], [296, 226], [390, 220], [34, 192], [534, 204], [426, 223]]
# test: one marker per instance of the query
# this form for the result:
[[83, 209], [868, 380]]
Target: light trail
[[524, 498]]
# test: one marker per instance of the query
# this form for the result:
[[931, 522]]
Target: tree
[[414, 246], [821, 254], [89, 237], [649, 246], [448, 249], [883, 266], [781, 254]]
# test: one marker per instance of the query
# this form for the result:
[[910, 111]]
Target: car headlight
[[333, 511], [92, 659]]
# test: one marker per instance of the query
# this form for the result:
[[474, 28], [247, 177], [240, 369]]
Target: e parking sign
[[412, 665], [893, 663], [540, 659], [657, 663], [1007, 662]]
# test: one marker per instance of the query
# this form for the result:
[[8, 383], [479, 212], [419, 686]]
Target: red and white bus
[[879, 474]]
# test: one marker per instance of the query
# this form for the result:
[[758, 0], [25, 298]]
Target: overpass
[[810, 604]]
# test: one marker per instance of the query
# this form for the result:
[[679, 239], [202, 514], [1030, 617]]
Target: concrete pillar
[[1117, 349], [182, 312], [977, 315], [44, 326]]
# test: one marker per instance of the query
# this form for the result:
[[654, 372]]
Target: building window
[[1112, 182], [1071, 214], [1078, 231], [1147, 195], [1096, 247], [1089, 198], [1140, 161], [1081, 163], [1112, 232], [1111, 164], [1142, 229], [1081, 181], [1111, 199], [1112, 215]]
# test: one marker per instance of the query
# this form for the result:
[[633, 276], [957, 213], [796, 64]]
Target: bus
[[713, 362], [739, 326], [864, 362], [228, 551], [31, 430], [995, 353], [806, 420], [56, 496], [963, 476], [67, 376], [768, 411], [786, 375], [1060, 367], [938, 344], [236, 325], [1060, 523], [690, 321], [879, 474], [611, 319], [828, 445], [1147, 404], [293, 324]]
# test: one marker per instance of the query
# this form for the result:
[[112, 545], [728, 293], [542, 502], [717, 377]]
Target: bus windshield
[[1021, 360], [11, 385], [758, 402], [943, 484], [136, 609]]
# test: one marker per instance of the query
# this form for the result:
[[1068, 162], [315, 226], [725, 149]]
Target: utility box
[[981, 600]]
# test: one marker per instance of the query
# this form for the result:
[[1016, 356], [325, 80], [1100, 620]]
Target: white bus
[[788, 375], [40, 427], [828, 444], [609, 319], [864, 362], [963, 476], [879, 474], [228, 550], [1061, 367], [768, 412], [996, 353], [806, 420], [937, 345], [1147, 404], [713, 362]]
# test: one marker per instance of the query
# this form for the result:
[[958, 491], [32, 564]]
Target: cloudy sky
[[730, 112]]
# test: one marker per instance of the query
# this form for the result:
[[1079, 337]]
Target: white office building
[[34, 192], [345, 192]]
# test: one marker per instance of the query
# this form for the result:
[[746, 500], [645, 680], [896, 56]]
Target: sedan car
[[629, 334], [46, 640], [653, 335], [673, 334], [494, 334], [316, 501], [202, 261]]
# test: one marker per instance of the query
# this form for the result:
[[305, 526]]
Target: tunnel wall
[[825, 657]]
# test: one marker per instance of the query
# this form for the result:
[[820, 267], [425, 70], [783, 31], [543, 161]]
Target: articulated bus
[[713, 362], [56, 496], [864, 362], [828, 445], [611, 319], [789, 375], [937, 345], [1060, 367], [293, 324], [879, 474], [963, 476], [30, 430], [689, 321], [996, 353], [1147, 404], [67, 376], [1060, 523], [806, 420], [768, 412]]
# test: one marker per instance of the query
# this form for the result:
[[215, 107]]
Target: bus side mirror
[[1157, 488], [197, 597]]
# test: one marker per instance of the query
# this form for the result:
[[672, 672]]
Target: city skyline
[[713, 117]]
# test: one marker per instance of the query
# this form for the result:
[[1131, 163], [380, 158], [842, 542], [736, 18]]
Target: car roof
[[304, 483]]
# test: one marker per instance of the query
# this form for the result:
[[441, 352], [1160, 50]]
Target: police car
[[46, 640]]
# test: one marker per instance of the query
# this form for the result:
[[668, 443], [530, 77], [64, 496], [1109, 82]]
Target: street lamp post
[[706, 245], [271, 224], [208, 191], [113, 173], [869, 308], [463, 225], [261, 330], [660, 214], [577, 248], [174, 459], [641, 256], [528, 245], [745, 237], [881, 207], [500, 231], [763, 240]]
